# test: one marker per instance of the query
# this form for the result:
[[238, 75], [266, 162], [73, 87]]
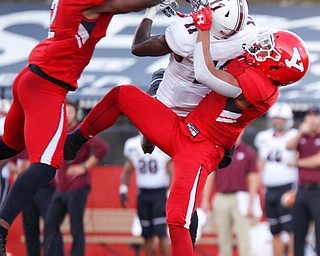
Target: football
[[288, 198]]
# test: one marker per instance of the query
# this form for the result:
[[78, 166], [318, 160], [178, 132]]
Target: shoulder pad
[[181, 36]]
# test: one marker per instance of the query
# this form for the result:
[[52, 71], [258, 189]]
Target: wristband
[[123, 189], [150, 13]]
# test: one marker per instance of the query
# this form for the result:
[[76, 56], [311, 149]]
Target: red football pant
[[194, 158], [37, 119]]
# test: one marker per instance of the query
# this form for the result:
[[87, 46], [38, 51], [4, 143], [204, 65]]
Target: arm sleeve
[[206, 78]]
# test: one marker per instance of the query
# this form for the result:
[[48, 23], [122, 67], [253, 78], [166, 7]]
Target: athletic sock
[[24, 188], [73, 144]]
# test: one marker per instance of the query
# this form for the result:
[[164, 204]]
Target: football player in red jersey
[[37, 118], [197, 142]]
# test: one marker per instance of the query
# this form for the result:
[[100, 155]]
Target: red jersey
[[221, 119], [71, 40]]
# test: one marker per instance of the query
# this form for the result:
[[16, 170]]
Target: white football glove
[[196, 5], [168, 7]]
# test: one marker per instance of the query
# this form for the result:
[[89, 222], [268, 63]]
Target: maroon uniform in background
[[306, 207], [96, 147], [236, 189], [309, 146], [234, 177]]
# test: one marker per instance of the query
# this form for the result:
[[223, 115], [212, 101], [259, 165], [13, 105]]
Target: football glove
[[123, 200], [196, 5], [202, 18], [123, 190], [168, 7]]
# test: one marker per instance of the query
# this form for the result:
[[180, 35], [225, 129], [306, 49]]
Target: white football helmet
[[228, 17], [281, 110]]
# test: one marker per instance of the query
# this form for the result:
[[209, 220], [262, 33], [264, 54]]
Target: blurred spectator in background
[[306, 207], [36, 209], [236, 200], [73, 182], [153, 175], [277, 176]]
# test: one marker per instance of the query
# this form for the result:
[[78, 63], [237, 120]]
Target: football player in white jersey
[[278, 175], [179, 89], [153, 176], [231, 29]]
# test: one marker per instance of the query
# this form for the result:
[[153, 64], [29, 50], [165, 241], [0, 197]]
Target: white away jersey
[[272, 150], [151, 169], [179, 90]]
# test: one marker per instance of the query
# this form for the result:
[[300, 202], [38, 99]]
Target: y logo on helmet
[[294, 60]]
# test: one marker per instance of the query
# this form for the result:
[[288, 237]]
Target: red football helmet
[[281, 55]]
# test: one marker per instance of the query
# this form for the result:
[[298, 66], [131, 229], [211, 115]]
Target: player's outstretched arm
[[128, 169], [143, 43], [119, 6], [204, 68]]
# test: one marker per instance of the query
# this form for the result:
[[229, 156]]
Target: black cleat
[[147, 146], [73, 144], [3, 242]]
